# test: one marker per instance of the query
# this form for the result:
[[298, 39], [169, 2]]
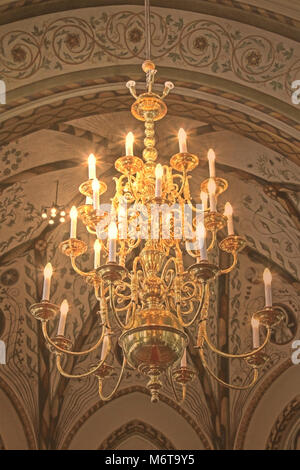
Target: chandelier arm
[[77, 270], [71, 353], [213, 240], [225, 384], [103, 398], [79, 376], [234, 356], [179, 401], [113, 308], [199, 309], [233, 265], [91, 231]]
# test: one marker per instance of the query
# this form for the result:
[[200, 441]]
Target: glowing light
[[129, 144]]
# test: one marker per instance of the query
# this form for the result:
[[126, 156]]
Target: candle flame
[[64, 308], [159, 171], [95, 185], [48, 271], [97, 246], [211, 155], [112, 231], [181, 135], [92, 160], [267, 276], [73, 213], [211, 186], [228, 209]]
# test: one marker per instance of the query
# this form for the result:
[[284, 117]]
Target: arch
[[136, 428], [136, 391], [2, 352], [283, 427]]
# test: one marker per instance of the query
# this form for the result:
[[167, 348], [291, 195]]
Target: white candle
[[64, 308], [96, 187], [182, 141], [73, 215], [212, 195], [104, 347], [204, 200], [89, 201], [97, 254], [183, 360], [47, 281], [129, 144], [92, 166], [201, 235], [268, 287], [211, 160], [122, 222], [255, 333], [112, 239], [228, 213], [158, 183]]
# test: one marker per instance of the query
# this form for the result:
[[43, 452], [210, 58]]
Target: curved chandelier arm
[[228, 270], [204, 294], [71, 353], [103, 398], [113, 308], [77, 270], [179, 401], [235, 356], [225, 384], [77, 376], [213, 240]]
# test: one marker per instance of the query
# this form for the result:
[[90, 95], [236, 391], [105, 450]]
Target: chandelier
[[148, 297], [153, 262]]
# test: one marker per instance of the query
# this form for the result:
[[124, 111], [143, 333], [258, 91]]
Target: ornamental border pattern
[[291, 410]]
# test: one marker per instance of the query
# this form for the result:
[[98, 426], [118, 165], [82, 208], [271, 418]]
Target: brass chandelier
[[149, 300]]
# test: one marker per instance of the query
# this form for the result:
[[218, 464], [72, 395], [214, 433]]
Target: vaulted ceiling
[[65, 64]]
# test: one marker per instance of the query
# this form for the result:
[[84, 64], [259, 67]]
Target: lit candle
[[159, 171], [97, 254], [112, 237], [47, 281], [64, 308], [201, 234], [212, 195], [182, 141], [211, 160], [228, 213], [255, 332], [204, 199], [268, 287], [183, 359], [96, 187], [129, 144], [104, 347], [89, 201], [73, 215], [92, 166]]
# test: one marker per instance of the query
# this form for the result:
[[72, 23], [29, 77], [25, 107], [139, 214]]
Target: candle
[[92, 166], [104, 346], [212, 195], [97, 254], [112, 237], [89, 201], [201, 235], [96, 187], [255, 332], [268, 287], [182, 141], [228, 213], [183, 359], [73, 215], [158, 184], [122, 221], [64, 308], [211, 160], [47, 281], [129, 144], [204, 199]]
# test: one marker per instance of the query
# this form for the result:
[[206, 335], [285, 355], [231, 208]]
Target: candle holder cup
[[184, 162], [203, 271], [221, 185], [44, 311], [86, 188], [129, 165], [232, 244], [111, 272], [214, 221], [269, 317], [184, 375], [73, 247], [62, 342]]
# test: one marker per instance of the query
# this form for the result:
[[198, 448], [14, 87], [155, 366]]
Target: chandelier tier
[[150, 299]]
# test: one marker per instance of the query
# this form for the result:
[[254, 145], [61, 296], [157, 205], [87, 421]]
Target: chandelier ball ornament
[[149, 295]]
